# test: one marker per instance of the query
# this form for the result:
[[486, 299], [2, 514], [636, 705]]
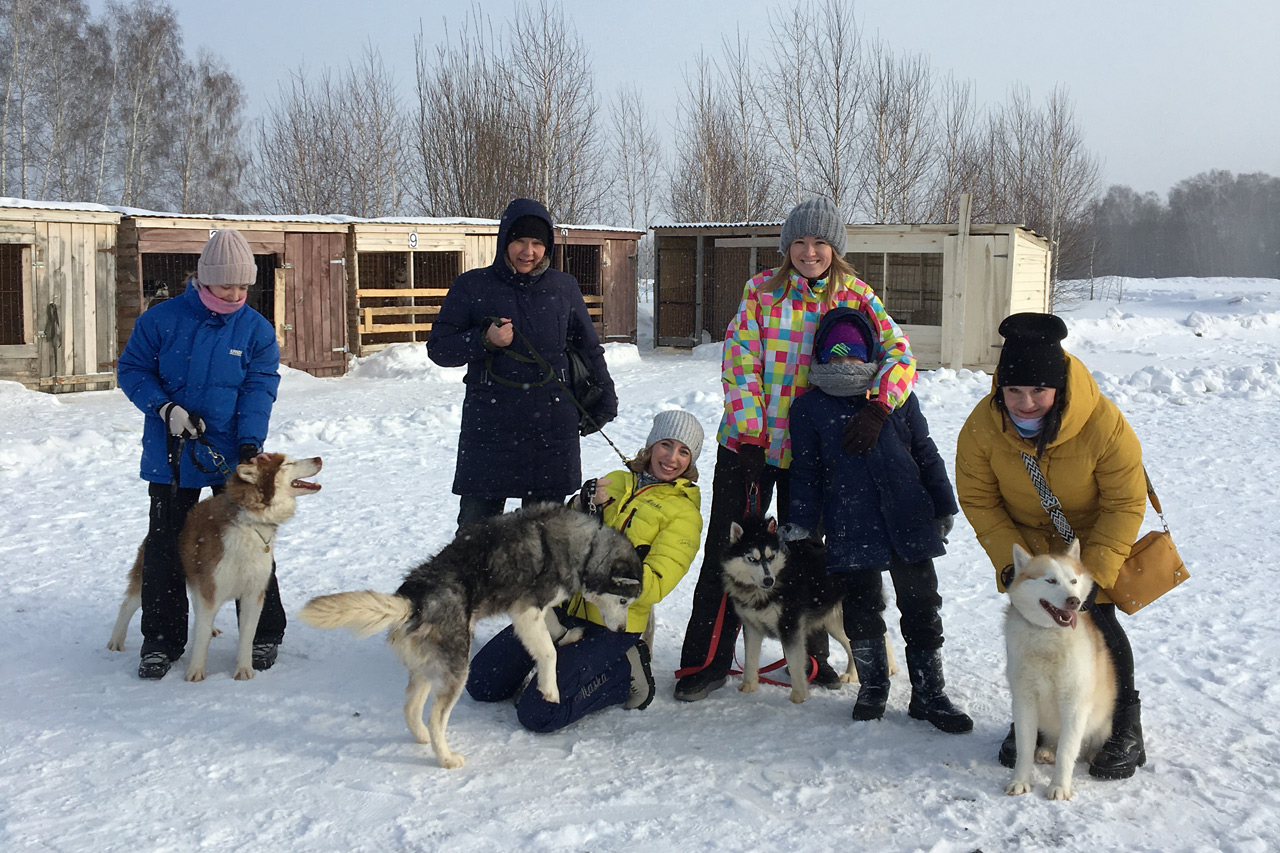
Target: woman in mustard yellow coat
[[654, 501], [1045, 403]]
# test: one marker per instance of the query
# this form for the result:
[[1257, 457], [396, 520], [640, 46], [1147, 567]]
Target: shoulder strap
[[1048, 500]]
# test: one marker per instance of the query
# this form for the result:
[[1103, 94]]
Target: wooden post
[[698, 294], [954, 356]]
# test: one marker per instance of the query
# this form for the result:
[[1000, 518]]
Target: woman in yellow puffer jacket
[[655, 502], [1045, 403]]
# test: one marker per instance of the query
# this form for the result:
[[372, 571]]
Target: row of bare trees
[[111, 110], [820, 109]]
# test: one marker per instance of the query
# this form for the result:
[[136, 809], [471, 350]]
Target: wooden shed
[[57, 295], [948, 292], [301, 286], [402, 269]]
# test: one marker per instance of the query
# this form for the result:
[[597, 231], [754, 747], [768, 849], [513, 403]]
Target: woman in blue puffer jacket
[[204, 369]]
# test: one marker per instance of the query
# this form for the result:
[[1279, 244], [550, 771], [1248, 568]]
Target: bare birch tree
[[208, 156], [899, 138], [300, 153], [834, 104], [637, 165]]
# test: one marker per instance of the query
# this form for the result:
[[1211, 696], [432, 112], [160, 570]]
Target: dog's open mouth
[[1065, 618], [305, 484]]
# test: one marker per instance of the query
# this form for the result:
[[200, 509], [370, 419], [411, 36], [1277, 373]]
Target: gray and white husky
[[520, 564], [1060, 673]]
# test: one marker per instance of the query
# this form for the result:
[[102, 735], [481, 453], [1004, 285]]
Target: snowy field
[[314, 754]]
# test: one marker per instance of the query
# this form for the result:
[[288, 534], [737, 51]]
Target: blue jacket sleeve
[[138, 368], [258, 391], [806, 469], [582, 337], [933, 471], [457, 335]]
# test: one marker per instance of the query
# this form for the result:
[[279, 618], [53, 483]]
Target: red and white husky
[[226, 549]]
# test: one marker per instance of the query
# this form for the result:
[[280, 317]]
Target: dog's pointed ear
[[792, 532], [1073, 550], [772, 524], [735, 533], [625, 581], [247, 471], [1020, 557]]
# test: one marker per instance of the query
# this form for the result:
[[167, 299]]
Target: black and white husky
[[520, 564], [782, 590]]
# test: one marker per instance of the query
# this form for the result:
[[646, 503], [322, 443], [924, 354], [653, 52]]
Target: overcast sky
[[1163, 90]]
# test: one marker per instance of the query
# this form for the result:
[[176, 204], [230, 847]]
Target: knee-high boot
[[872, 662], [928, 699], [1124, 752]]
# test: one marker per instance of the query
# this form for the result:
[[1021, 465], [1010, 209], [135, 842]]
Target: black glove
[[247, 451], [944, 524], [180, 422], [751, 461], [585, 502], [863, 429], [1006, 576]]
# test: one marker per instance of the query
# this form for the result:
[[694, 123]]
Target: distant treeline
[[1213, 224], [112, 110]]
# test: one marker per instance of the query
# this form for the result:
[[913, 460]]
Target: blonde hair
[[839, 275], [640, 464]]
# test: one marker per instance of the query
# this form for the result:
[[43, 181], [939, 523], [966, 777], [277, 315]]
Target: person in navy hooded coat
[[204, 369], [889, 509], [509, 324]]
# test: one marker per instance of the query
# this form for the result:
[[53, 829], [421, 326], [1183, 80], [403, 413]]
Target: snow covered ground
[[314, 754]]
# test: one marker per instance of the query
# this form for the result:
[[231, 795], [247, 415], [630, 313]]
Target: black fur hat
[[530, 226], [1032, 354]]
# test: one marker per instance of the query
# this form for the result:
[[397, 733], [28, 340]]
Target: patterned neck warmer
[[843, 380]]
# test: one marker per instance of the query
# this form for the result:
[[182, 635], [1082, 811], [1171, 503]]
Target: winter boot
[[264, 655], [1124, 752], [872, 663], [154, 665], [642, 684], [1009, 747], [698, 686], [928, 701]]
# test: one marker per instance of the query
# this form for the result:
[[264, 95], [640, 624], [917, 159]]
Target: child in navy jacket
[[888, 509]]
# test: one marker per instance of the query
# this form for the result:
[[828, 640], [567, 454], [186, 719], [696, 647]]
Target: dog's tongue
[[1071, 618]]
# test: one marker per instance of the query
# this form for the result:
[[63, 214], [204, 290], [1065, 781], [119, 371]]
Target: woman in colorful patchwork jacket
[[655, 502], [767, 349]]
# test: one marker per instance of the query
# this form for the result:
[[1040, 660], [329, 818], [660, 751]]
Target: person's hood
[[844, 314], [518, 208]]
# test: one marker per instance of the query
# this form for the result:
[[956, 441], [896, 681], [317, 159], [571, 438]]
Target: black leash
[[551, 374]]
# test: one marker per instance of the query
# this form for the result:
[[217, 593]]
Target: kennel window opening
[[13, 296], [165, 275]]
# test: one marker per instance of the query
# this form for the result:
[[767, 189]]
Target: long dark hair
[[1052, 419]]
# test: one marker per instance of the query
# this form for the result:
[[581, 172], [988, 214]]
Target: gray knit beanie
[[227, 260], [816, 217], [680, 425]]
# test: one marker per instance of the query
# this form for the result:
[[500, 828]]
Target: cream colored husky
[[1060, 673]]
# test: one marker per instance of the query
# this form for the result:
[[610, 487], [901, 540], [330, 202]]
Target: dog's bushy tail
[[363, 613]]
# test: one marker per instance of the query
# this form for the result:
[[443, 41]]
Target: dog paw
[[748, 686], [570, 637], [452, 760], [848, 678], [1017, 787], [798, 696], [1045, 755], [115, 645], [1058, 792], [244, 673], [552, 695], [195, 675]]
